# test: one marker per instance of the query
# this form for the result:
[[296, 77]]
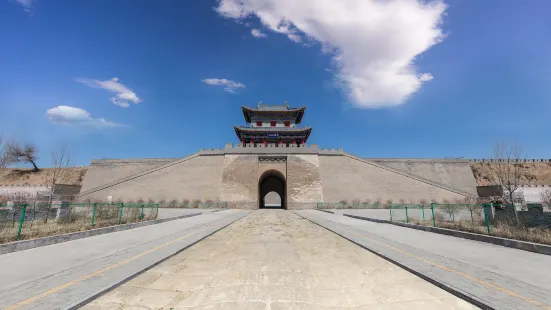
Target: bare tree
[[59, 173], [474, 207], [507, 170], [3, 152], [15, 153], [546, 197]]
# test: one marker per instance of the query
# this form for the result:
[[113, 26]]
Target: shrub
[[195, 203], [355, 203], [173, 203], [185, 203]]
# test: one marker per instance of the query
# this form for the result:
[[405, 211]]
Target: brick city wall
[[312, 175]]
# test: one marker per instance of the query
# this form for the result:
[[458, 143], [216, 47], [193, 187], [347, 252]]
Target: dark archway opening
[[271, 182]]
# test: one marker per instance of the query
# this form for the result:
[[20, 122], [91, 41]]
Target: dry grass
[[530, 234], [76, 221], [16, 176]]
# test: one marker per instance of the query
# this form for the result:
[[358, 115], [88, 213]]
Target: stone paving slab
[[92, 265], [274, 259], [436, 261]]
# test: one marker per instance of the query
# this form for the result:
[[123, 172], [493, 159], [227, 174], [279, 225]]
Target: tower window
[[287, 123], [273, 123], [258, 123]]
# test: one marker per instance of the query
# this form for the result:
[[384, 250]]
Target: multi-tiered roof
[[273, 124]]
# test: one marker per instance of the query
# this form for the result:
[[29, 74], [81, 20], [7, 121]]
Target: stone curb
[[111, 287], [34, 243], [326, 211], [510, 243]]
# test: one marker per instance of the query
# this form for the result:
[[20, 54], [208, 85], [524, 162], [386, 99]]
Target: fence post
[[21, 221], [407, 218], [453, 216], [120, 213], [486, 217], [423, 211], [433, 220], [390, 208], [157, 212], [94, 214]]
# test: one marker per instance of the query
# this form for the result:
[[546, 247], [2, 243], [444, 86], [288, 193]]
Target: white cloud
[[373, 43], [75, 116], [257, 33], [425, 77], [123, 96], [229, 85]]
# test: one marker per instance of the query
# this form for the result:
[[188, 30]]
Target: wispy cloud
[[373, 43], [124, 95], [67, 115], [257, 33], [26, 4], [229, 85]]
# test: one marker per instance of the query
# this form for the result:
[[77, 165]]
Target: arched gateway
[[272, 181]]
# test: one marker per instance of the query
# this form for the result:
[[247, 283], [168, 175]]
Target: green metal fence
[[529, 222], [35, 220], [346, 205], [477, 218]]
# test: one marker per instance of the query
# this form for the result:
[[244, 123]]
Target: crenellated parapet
[[524, 160], [271, 148]]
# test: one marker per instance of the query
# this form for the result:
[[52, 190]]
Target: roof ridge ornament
[[260, 103]]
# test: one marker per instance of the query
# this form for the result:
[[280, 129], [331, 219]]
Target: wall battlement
[[525, 160], [271, 148]]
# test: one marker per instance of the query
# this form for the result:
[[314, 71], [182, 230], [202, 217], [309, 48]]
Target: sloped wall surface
[[196, 178], [107, 170], [455, 173], [345, 178]]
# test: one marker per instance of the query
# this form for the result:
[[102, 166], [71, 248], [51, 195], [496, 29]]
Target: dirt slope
[[17, 176]]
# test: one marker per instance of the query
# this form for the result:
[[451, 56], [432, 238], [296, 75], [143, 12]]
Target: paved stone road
[[63, 275], [274, 259], [496, 276]]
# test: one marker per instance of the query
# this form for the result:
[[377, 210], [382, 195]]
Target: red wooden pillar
[[264, 142]]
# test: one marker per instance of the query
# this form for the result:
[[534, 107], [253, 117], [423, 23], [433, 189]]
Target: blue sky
[[126, 79]]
